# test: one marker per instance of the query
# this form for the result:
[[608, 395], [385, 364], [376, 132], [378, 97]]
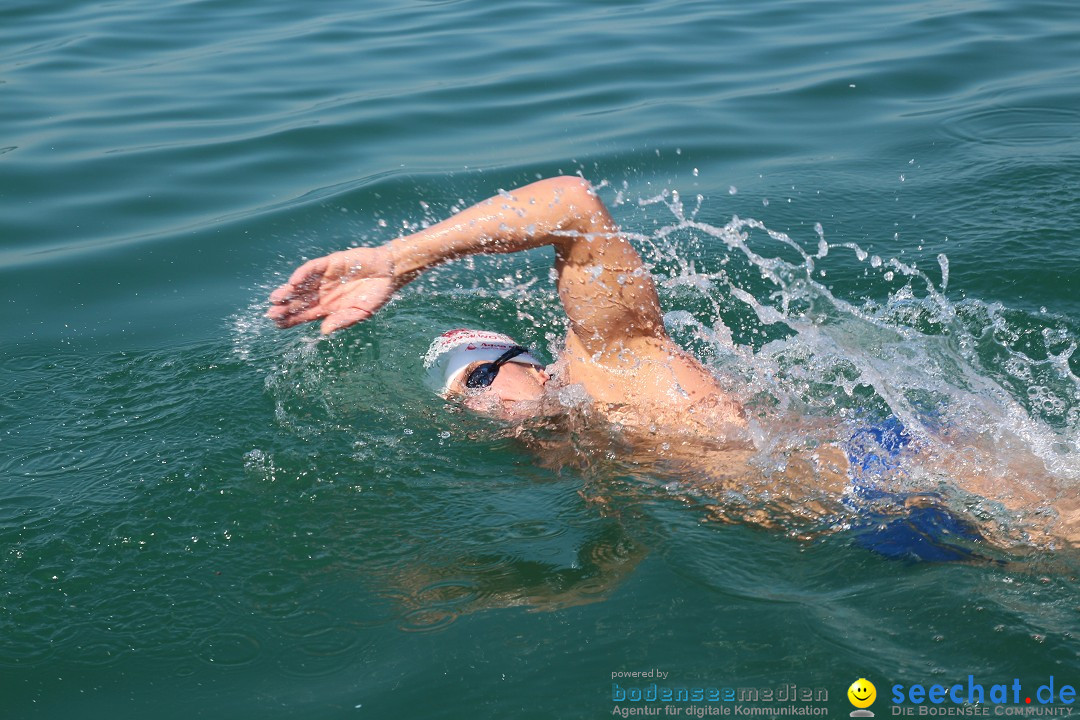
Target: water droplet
[[943, 263]]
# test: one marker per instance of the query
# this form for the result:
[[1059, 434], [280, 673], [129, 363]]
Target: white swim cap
[[455, 350]]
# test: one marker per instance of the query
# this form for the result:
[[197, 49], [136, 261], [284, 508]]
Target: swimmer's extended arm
[[606, 291]]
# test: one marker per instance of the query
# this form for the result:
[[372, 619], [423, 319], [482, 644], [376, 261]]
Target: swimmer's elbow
[[573, 191], [569, 183]]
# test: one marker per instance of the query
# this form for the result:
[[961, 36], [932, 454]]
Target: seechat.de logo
[[862, 694]]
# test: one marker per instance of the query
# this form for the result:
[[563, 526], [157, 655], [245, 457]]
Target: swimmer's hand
[[342, 288]]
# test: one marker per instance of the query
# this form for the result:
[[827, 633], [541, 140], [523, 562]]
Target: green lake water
[[846, 206]]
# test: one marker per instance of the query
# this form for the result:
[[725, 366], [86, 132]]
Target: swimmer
[[616, 348]]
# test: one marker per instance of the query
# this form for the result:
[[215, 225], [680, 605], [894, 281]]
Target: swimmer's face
[[514, 394]]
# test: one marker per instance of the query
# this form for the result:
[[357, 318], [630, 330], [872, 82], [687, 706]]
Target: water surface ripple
[[201, 516]]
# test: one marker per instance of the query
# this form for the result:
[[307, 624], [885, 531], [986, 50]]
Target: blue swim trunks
[[884, 524]]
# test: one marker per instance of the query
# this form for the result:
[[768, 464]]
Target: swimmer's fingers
[[344, 287], [281, 295], [292, 306], [285, 317], [304, 278], [310, 272], [278, 312], [287, 301], [362, 300], [343, 319], [299, 299]]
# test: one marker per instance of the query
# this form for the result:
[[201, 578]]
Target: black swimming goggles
[[483, 375]]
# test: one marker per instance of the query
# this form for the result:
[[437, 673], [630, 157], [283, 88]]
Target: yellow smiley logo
[[862, 693]]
